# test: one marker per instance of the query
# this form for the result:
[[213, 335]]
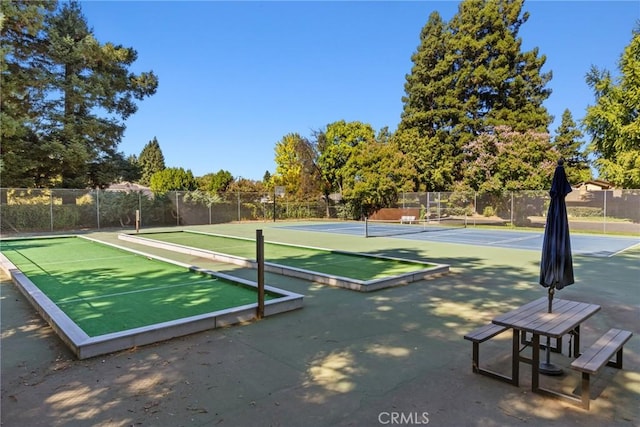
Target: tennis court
[[102, 298], [581, 244], [357, 271]]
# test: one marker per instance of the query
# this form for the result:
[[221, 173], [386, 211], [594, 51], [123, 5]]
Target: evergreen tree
[[568, 142], [430, 108], [131, 170], [78, 93], [266, 178], [151, 160], [468, 76], [614, 121], [24, 160]]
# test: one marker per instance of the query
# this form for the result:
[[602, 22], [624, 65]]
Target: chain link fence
[[59, 210], [606, 211]]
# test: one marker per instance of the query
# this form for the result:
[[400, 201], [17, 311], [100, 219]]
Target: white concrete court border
[[309, 275], [84, 346]]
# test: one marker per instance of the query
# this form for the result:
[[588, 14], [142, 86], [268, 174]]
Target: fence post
[[260, 262], [604, 213], [512, 224], [140, 205], [177, 210], [98, 206], [475, 204], [51, 208]]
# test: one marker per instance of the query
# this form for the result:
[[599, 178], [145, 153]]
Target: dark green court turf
[[105, 289], [322, 261]]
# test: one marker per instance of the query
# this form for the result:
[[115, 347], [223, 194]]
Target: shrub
[[488, 211]]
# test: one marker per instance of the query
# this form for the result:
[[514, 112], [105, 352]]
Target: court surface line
[[623, 250], [517, 239], [81, 299], [85, 260]]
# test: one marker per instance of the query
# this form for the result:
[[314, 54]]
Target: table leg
[[535, 363], [576, 342], [515, 358]]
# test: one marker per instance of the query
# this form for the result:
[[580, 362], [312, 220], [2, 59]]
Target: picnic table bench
[[535, 319], [478, 336], [598, 355]]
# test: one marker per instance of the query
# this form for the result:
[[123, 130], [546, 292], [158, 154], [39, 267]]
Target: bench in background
[[407, 218]]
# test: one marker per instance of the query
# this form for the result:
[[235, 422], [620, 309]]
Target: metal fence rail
[[54, 210]]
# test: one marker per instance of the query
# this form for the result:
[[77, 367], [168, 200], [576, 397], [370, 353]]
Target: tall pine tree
[[614, 120], [469, 76], [568, 141], [24, 160], [75, 94], [431, 109], [151, 160]]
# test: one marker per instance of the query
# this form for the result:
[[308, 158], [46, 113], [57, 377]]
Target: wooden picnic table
[[534, 318]]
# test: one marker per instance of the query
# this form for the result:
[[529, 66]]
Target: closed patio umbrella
[[556, 264]]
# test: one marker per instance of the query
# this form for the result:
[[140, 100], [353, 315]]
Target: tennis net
[[383, 228]]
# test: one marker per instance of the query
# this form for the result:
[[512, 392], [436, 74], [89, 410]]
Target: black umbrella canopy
[[556, 265]]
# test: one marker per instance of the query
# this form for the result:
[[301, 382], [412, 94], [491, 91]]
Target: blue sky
[[235, 77]]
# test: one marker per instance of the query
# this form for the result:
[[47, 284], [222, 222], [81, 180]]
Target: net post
[[137, 220], [366, 227], [260, 261]]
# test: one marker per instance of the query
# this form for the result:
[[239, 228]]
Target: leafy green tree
[[79, 94], [244, 185], [203, 197], [336, 146], [173, 179], [288, 163], [151, 160], [296, 167], [468, 75], [568, 141], [374, 175], [614, 120], [215, 182], [324, 183]]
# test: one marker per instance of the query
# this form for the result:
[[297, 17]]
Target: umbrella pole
[[548, 368]]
